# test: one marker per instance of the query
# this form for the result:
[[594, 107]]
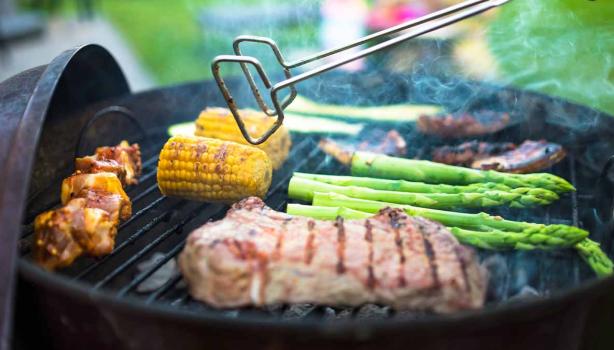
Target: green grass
[[559, 47], [169, 40]]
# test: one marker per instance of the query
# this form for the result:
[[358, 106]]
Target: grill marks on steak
[[391, 258]]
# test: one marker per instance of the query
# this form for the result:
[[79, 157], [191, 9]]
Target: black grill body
[[95, 304]]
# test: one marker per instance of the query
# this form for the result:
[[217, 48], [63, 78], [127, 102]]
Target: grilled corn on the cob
[[207, 169], [218, 123]]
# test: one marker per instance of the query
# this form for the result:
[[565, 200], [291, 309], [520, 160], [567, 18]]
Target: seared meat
[[63, 234], [257, 256], [530, 156], [92, 165], [94, 187], [467, 152], [126, 155], [94, 202], [390, 143], [463, 125]]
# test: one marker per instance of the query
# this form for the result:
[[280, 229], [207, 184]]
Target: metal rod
[[149, 226], [420, 26]]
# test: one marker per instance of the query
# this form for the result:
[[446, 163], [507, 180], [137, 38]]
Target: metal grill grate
[[159, 226]]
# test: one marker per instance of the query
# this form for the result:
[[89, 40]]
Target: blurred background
[[559, 47]]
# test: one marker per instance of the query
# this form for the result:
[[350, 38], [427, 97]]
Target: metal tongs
[[420, 26]]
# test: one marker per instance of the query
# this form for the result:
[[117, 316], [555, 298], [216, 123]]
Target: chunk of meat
[[383, 142], [92, 165], [63, 234], [257, 256], [126, 155], [529, 157], [463, 125], [468, 152], [92, 187]]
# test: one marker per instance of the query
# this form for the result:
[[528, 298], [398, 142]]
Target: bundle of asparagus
[[303, 186], [382, 166], [493, 239], [481, 230], [391, 182]]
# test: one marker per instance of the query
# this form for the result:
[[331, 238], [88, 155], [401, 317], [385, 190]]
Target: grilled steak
[[468, 152], [530, 156], [463, 125], [257, 256]]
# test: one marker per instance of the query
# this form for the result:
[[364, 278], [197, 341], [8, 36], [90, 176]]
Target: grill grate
[[161, 224]]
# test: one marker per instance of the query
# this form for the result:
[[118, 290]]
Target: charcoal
[[332, 314], [329, 313], [160, 277], [275, 309], [231, 313], [410, 315], [344, 314], [297, 311], [181, 284], [525, 293], [372, 311], [498, 281]]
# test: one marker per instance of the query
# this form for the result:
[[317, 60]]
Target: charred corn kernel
[[218, 123], [207, 169]]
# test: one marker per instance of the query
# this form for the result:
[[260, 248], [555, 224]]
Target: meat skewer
[[94, 203], [257, 256]]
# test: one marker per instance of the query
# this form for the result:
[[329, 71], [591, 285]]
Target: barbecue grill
[[81, 100]]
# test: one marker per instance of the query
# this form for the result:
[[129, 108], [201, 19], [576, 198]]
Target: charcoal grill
[[81, 100]]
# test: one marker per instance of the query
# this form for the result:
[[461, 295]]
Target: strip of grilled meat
[[463, 125], [257, 256], [390, 143], [529, 157], [468, 152]]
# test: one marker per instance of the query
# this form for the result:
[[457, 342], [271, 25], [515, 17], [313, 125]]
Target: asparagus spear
[[303, 188], [491, 240], [595, 257], [404, 186], [392, 113], [479, 221], [382, 166]]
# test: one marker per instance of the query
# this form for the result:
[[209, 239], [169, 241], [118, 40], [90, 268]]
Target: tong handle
[[422, 25]]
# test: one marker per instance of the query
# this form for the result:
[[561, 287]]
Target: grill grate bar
[[171, 254], [144, 193], [303, 144], [286, 177], [147, 176], [142, 211], [148, 247], [125, 243], [145, 274], [149, 162]]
